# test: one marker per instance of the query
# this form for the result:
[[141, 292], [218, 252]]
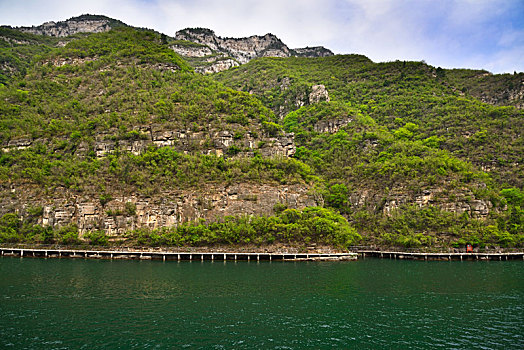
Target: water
[[90, 304]]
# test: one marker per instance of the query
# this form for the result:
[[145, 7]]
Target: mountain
[[113, 137], [393, 135], [74, 25], [207, 52], [213, 54]]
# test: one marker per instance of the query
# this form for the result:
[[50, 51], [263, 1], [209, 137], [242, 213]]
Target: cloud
[[448, 33]]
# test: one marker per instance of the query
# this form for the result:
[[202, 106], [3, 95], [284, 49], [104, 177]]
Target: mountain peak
[[224, 53], [85, 23], [206, 51]]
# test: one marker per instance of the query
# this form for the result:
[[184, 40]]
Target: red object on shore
[[469, 248]]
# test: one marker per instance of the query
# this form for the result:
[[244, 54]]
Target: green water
[[89, 304]]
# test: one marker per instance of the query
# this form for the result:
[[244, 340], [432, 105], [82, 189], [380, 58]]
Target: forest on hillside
[[401, 153]]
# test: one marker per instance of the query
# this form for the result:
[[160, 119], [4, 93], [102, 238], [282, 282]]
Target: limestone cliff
[[217, 54], [205, 141], [127, 211], [316, 51], [80, 24]]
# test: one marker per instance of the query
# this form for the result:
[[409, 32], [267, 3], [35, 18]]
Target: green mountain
[[112, 137]]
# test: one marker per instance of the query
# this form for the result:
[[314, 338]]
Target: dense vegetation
[[289, 226], [394, 94], [411, 154], [17, 50], [410, 131], [109, 86]]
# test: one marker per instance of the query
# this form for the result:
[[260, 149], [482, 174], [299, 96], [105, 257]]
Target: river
[[366, 304]]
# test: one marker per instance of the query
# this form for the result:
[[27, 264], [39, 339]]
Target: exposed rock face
[[191, 51], [316, 51], [331, 126], [207, 142], [212, 53], [463, 202], [17, 144], [217, 66], [167, 209], [243, 50], [172, 207], [510, 96], [239, 50], [82, 24], [319, 93]]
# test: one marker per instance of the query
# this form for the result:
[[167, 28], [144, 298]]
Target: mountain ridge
[[498, 89], [80, 24], [114, 135], [225, 52]]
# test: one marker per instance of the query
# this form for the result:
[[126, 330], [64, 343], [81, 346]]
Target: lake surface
[[371, 303]]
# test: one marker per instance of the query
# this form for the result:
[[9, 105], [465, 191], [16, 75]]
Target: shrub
[[97, 238], [105, 198], [279, 208], [130, 209]]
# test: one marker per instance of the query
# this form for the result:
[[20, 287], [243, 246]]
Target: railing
[[240, 249], [433, 249]]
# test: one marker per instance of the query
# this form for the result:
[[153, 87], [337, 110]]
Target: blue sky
[[482, 34]]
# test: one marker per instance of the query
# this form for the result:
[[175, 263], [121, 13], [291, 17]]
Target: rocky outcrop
[[240, 50], [283, 145], [243, 50], [81, 24], [216, 65], [219, 142], [318, 93], [20, 143], [461, 202], [207, 52], [191, 50], [317, 51], [131, 211], [331, 126]]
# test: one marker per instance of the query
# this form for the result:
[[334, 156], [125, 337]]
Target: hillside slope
[[114, 136], [117, 118], [396, 142]]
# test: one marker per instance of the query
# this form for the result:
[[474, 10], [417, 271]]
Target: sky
[[479, 34]]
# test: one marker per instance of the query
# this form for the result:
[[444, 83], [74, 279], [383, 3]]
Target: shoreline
[[425, 256], [176, 256], [231, 255]]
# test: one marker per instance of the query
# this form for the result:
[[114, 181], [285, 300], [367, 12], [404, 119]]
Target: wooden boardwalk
[[440, 256], [239, 256], [159, 255]]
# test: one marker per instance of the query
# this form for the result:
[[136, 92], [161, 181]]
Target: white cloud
[[447, 33]]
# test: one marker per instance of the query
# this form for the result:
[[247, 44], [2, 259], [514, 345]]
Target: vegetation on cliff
[[407, 139], [115, 85], [401, 153], [308, 226]]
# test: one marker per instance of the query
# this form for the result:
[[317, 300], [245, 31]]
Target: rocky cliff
[[127, 211], [216, 54], [80, 24], [316, 51], [220, 143]]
